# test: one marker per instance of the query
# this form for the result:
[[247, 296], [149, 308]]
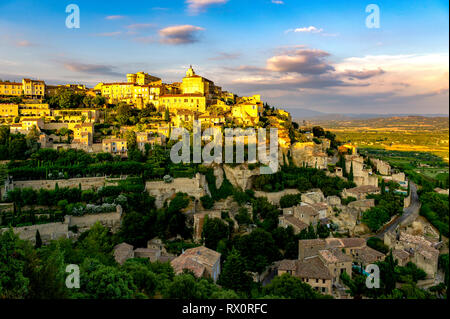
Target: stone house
[[122, 252], [155, 251], [382, 167], [151, 253], [367, 255], [202, 261], [410, 248], [322, 209], [361, 175], [313, 197], [310, 247], [360, 192], [310, 270], [305, 213], [355, 248], [337, 262], [294, 222]]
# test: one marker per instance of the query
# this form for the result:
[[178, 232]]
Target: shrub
[[207, 202]]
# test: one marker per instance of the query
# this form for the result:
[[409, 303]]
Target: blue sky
[[316, 55]]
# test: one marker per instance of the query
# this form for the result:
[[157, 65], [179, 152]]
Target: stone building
[[294, 222], [122, 252], [155, 251], [382, 167], [337, 262], [313, 197], [360, 192], [309, 154], [311, 271], [202, 261], [416, 249], [361, 175]]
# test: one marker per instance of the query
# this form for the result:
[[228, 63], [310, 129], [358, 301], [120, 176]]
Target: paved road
[[409, 213]]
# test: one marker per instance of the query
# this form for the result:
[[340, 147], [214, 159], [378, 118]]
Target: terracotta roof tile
[[313, 268]]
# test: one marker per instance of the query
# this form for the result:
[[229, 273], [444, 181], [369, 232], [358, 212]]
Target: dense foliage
[[436, 210], [301, 178], [387, 204]]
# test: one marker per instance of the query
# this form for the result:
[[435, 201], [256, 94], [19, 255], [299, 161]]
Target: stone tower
[[190, 72]]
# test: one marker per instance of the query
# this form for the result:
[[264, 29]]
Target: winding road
[[410, 213]]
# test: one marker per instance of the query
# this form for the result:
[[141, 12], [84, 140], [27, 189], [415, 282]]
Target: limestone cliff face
[[218, 173], [240, 176], [348, 219]]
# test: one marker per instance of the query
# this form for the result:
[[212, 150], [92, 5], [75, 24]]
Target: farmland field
[[414, 134]]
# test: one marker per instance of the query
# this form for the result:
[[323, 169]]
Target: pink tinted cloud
[[180, 34]]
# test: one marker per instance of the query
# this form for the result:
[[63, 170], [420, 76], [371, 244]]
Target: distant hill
[[394, 123], [305, 114]]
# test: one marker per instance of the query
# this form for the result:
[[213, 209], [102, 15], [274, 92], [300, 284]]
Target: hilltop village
[[86, 174]]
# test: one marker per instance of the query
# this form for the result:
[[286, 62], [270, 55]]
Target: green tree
[[234, 275], [144, 279], [290, 200], [38, 243], [13, 283], [97, 243], [287, 286], [47, 279], [184, 286], [258, 249], [214, 230], [243, 217], [357, 285], [17, 148], [105, 282], [166, 115], [388, 277], [207, 202], [4, 134], [131, 140], [350, 174], [124, 112]]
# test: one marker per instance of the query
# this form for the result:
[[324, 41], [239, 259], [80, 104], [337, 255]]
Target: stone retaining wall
[[162, 191], [274, 198]]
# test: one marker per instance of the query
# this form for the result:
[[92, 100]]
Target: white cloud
[[277, 2], [310, 29], [304, 61], [197, 6], [180, 34], [405, 75], [114, 17]]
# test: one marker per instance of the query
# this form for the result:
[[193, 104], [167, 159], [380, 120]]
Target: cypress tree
[[38, 243], [350, 175], [166, 114]]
